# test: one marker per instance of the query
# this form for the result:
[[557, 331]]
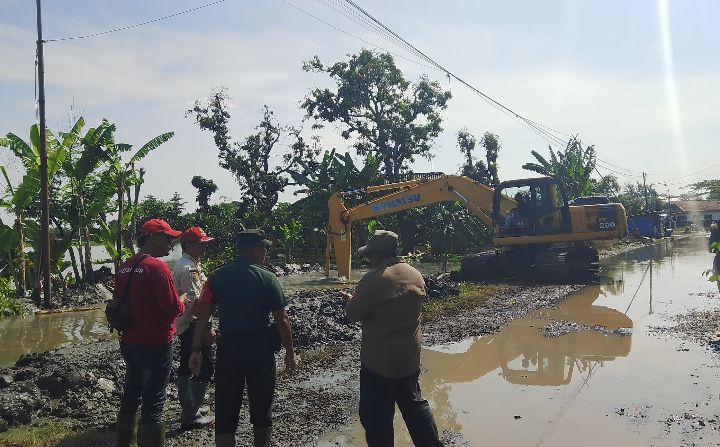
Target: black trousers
[[207, 368], [243, 359], [378, 396]]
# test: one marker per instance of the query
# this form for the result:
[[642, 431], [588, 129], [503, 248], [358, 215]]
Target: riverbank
[[80, 385]]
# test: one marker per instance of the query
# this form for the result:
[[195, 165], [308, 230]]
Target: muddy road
[[629, 362]]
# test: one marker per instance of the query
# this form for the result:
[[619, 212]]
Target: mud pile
[[81, 295], [701, 326], [318, 319], [438, 287], [294, 269], [513, 302], [78, 382]]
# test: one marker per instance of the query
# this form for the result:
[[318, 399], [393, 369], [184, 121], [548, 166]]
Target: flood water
[[608, 386], [39, 333]]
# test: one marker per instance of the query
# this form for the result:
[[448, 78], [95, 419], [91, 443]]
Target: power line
[[354, 36], [358, 15], [135, 26]]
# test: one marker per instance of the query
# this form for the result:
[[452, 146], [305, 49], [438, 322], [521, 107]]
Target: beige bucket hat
[[380, 240]]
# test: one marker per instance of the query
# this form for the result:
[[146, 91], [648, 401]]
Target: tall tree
[[206, 188], [388, 116], [475, 170], [260, 181], [491, 143], [709, 189]]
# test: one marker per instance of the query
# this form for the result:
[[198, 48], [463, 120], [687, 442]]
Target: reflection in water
[[525, 356], [39, 333]]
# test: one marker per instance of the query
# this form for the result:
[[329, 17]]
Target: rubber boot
[[182, 386], [225, 440], [262, 436], [126, 428], [152, 435], [190, 417]]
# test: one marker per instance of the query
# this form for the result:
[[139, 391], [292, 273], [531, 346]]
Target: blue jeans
[[146, 379], [378, 396]]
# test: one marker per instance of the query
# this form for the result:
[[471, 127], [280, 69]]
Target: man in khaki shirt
[[189, 279], [388, 301]]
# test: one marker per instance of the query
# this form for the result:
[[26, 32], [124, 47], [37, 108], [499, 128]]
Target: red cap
[[195, 234], [153, 226]]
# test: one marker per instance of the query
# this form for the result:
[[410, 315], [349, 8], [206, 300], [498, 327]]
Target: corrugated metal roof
[[697, 205]]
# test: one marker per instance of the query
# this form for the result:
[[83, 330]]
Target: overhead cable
[[358, 15], [354, 36], [134, 26]]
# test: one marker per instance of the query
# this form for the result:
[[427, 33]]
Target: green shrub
[[8, 301]]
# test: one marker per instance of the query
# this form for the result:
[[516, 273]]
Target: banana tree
[[572, 167], [454, 228], [20, 198], [17, 200], [124, 176], [85, 182], [334, 173]]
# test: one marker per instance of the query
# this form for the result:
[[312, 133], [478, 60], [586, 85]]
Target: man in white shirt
[[189, 278]]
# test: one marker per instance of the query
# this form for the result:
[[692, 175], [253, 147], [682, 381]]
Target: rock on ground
[[84, 382]]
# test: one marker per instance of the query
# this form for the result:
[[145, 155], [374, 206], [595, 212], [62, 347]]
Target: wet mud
[[84, 382]]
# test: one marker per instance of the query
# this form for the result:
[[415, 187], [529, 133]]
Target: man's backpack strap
[[117, 310], [126, 293]]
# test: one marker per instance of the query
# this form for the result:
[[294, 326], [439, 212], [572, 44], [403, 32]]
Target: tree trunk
[[85, 234], [408, 230], [61, 232], [121, 188], [81, 257], [74, 263], [21, 255], [133, 219]]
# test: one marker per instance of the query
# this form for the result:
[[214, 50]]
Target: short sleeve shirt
[[188, 278], [245, 293]]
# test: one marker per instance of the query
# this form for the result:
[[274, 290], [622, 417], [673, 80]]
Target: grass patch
[[471, 295], [311, 358], [318, 356], [52, 435]]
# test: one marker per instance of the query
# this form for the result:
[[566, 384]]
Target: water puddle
[[39, 333], [585, 373]]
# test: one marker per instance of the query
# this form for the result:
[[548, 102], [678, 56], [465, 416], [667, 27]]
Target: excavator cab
[[541, 208]]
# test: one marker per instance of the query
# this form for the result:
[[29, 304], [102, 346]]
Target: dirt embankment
[[83, 383]]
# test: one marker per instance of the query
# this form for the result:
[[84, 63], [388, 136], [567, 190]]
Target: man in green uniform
[[246, 294]]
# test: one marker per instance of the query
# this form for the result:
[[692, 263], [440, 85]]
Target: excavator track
[[568, 265], [479, 267]]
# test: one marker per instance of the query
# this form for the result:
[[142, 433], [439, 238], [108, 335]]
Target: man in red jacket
[[146, 344]]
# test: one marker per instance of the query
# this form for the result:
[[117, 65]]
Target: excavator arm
[[477, 197]]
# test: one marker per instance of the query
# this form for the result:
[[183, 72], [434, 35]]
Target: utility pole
[[44, 191], [644, 188]]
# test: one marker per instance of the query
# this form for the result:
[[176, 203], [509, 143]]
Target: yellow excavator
[[528, 218]]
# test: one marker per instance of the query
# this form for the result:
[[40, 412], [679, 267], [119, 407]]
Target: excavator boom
[[536, 217], [414, 193]]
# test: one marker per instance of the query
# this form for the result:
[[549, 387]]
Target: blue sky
[[598, 69]]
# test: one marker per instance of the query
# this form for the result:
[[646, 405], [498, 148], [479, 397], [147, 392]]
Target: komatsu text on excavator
[[528, 218]]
